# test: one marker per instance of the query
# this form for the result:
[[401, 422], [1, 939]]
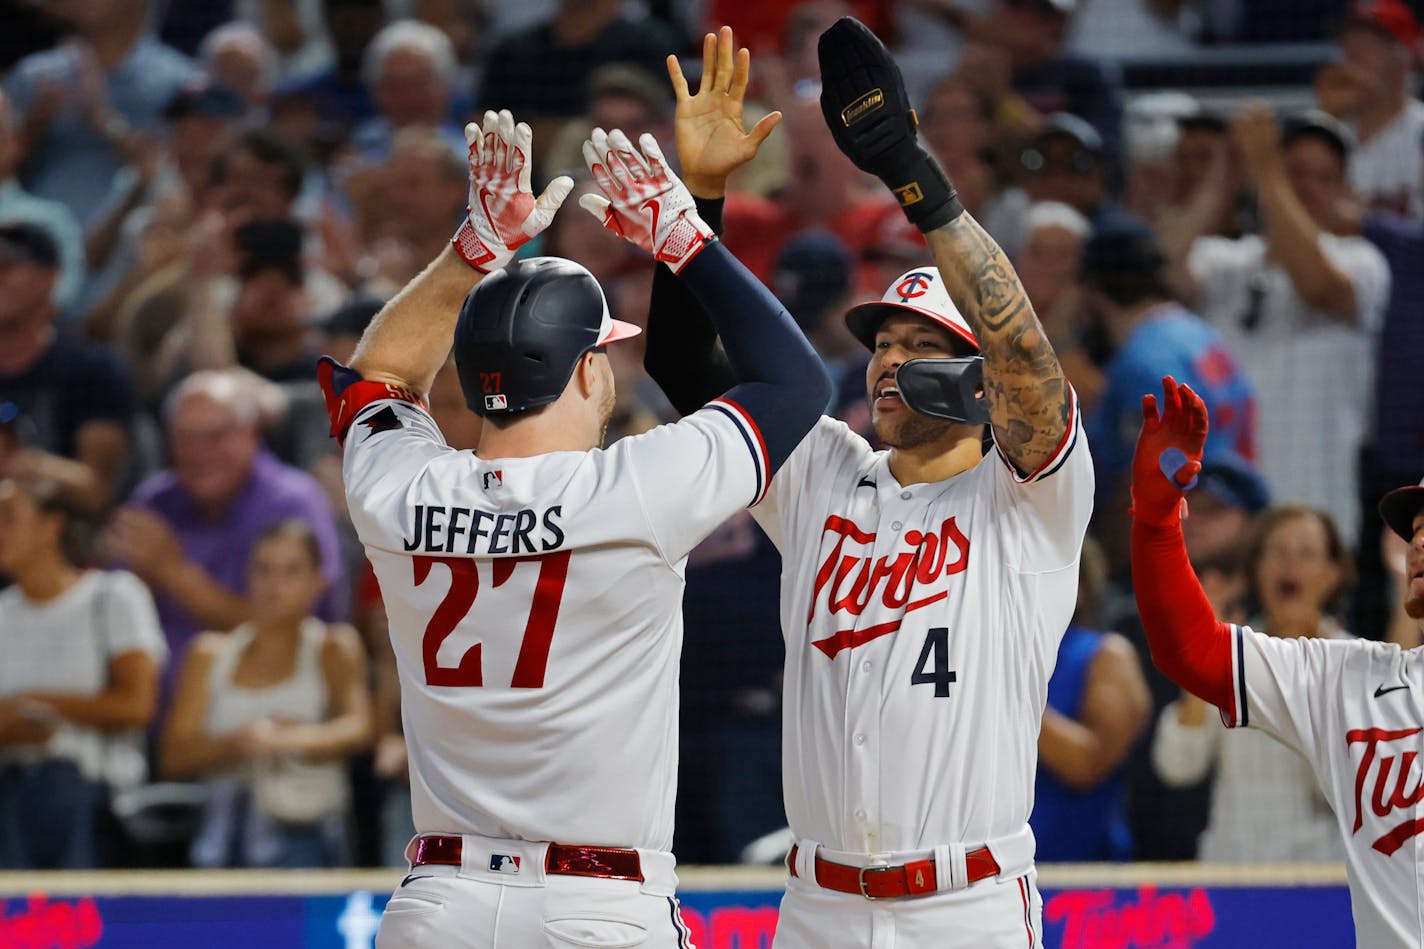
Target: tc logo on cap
[[914, 285], [496, 403]]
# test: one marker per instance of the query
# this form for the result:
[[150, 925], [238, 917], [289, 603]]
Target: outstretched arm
[[1292, 235], [1188, 644], [782, 386], [682, 355], [865, 105], [410, 338], [1028, 395]]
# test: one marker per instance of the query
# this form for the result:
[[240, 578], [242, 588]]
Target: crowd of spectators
[[199, 197]]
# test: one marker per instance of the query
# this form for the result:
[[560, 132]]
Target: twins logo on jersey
[[504, 863], [1381, 756], [853, 581]]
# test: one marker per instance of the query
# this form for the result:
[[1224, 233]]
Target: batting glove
[[503, 213], [864, 103], [642, 201], [1169, 453]]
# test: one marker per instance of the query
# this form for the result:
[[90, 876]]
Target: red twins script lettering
[[852, 581], [1385, 801]]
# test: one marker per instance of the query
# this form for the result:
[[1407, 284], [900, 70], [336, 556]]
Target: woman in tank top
[[269, 715]]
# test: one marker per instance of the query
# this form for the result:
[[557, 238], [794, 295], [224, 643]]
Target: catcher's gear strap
[[783, 385], [864, 103], [1188, 644], [346, 394], [682, 355]]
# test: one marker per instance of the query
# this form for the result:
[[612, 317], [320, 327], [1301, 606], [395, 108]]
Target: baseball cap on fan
[[1392, 18], [1399, 507], [920, 292]]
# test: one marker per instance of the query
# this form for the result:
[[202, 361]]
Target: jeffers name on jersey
[[450, 529]]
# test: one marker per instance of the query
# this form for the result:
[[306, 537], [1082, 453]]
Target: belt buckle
[[860, 879]]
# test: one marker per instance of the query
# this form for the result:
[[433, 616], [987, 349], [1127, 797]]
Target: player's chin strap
[[951, 389]]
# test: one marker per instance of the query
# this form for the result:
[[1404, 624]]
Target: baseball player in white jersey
[[1353, 708], [924, 589], [534, 586]]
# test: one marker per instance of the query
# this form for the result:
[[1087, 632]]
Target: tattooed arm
[[1027, 392]]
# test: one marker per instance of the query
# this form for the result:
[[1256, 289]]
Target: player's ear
[[586, 375]]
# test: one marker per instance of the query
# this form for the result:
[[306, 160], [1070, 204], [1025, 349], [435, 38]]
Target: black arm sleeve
[[783, 385], [681, 353]]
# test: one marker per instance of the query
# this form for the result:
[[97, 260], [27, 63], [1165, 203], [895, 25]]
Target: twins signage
[[1107, 918]]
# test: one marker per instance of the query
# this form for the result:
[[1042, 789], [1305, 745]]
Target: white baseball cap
[[920, 291]]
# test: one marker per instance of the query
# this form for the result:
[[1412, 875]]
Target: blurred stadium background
[[199, 197]]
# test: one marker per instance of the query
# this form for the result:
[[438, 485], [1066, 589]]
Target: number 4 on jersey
[[936, 643]]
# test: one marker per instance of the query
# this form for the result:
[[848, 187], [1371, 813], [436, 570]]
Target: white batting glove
[[503, 213], [642, 200]]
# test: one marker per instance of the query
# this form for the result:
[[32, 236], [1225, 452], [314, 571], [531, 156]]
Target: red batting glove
[[1169, 453], [642, 201], [503, 213]]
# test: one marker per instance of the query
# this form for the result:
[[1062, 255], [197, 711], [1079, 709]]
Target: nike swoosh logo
[[865, 483], [1380, 690]]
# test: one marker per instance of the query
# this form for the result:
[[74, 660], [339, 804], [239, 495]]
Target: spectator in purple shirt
[[188, 531]]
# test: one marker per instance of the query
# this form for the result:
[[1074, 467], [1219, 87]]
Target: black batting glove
[[868, 112]]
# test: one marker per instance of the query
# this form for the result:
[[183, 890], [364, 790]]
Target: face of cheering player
[[1414, 571], [900, 339], [284, 578], [1297, 572]]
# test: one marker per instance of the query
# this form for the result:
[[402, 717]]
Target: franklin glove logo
[[863, 106]]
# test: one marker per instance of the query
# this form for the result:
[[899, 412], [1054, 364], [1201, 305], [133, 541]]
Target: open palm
[[711, 140]]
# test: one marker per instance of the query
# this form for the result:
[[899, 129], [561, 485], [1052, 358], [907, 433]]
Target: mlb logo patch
[[496, 403], [493, 479], [504, 863]]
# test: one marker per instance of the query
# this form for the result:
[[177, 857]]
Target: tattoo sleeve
[[1028, 394]]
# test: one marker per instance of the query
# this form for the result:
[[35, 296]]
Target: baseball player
[[533, 586], [925, 588], [1352, 708]]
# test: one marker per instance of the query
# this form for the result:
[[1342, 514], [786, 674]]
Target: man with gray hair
[[409, 69], [237, 55], [187, 531]]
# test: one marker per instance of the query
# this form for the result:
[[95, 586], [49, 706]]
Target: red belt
[[607, 863], [915, 878]]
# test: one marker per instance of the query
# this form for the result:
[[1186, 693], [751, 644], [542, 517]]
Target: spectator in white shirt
[[1300, 305], [78, 684], [1370, 88], [1266, 805]]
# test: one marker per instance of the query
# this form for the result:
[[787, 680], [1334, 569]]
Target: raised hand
[[711, 140], [642, 201], [1169, 452], [1257, 133], [503, 213], [864, 103]]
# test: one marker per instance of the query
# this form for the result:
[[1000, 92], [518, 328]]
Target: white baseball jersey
[[1355, 710], [1387, 170], [922, 625], [535, 612]]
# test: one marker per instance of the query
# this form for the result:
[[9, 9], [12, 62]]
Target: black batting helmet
[[524, 328]]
